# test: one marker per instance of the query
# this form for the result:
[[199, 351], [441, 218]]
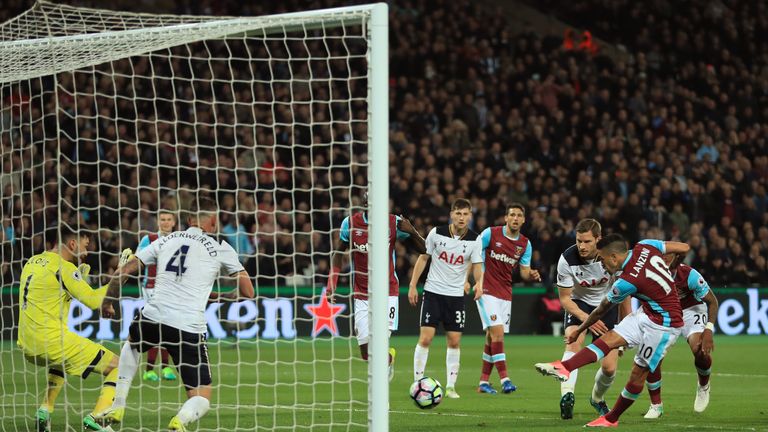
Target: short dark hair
[[461, 204], [201, 206], [516, 205], [589, 225], [67, 233], [612, 243]]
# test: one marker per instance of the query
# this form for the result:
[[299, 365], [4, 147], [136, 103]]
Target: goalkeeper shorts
[[68, 352]]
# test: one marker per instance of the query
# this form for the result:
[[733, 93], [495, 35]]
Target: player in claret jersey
[[354, 235], [653, 328], [699, 313], [166, 221], [504, 248], [582, 282]]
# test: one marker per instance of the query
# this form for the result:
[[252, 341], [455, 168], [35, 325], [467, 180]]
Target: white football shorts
[[362, 329], [652, 340], [494, 311]]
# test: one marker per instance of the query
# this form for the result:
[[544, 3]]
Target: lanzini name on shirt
[[640, 262]]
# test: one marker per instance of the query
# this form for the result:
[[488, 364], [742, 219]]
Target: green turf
[[313, 392]]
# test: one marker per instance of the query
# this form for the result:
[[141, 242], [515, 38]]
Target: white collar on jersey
[[195, 230], [504, 233]]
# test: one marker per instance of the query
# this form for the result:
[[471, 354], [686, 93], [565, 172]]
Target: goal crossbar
[[35, 57]]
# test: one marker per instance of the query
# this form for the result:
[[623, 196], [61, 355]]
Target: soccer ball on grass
[[426, 393]]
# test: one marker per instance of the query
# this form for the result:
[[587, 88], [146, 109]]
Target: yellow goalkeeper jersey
[[48, 285]]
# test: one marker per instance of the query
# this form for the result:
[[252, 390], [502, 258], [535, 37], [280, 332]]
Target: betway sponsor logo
[[506, 259]]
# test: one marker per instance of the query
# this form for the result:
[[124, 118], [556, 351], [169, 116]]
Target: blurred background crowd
[[666, 140]]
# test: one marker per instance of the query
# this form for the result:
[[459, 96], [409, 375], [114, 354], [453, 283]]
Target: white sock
[[420, 355], [569, 385], [194, 408], [602, 384], [129, 364], [452, 356]]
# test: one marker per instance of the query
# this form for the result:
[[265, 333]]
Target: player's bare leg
[[567, 387], [452, 358], [194, 408], [595, 351], [421, 352], [485, 374], [628, 396], [703, 363]]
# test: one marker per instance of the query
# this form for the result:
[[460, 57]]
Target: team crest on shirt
[[493, 317], [518, 250]]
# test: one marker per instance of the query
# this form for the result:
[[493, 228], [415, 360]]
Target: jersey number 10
[[661, 276]]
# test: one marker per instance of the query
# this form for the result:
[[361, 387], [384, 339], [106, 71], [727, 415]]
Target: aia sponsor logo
[[590, 283], [451, 259]]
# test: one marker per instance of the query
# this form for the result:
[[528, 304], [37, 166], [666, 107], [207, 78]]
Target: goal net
[[108, 117]]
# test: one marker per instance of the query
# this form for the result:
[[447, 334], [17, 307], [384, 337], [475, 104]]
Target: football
[[426, 393]]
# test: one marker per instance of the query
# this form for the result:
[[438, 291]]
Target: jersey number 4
[[181, 256]]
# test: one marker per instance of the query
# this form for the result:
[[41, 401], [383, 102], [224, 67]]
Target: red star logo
[[324, 314]]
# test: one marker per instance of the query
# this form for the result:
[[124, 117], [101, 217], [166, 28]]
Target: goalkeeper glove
[[125, 256], [84, 270]]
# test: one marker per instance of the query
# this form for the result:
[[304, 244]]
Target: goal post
[[107, 117], [379, 231]]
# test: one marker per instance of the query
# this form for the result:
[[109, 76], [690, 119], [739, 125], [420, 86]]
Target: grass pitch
[[313, 385]]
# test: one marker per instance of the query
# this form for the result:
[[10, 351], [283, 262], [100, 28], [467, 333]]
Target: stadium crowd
[[663, 144]]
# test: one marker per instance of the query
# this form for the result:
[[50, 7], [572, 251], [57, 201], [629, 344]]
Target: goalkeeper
[[49, 282]]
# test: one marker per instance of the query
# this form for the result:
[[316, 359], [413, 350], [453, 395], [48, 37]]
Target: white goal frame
[[50, 54]]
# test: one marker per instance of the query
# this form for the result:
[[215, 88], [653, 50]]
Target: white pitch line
[[455, 414], [664, 372]]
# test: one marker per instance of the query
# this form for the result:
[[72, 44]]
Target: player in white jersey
[[188, 263], [455, 251], [166, 222], [583, 282]]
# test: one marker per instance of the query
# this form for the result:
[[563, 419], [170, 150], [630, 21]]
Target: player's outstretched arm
[[128, 268], [595, 316], [673, 247], [245, 288], [77, 287], [598, 328], [418, 269], [407, 227]]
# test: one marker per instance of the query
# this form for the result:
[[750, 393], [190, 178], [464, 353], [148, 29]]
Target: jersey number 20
[[181, 256]]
